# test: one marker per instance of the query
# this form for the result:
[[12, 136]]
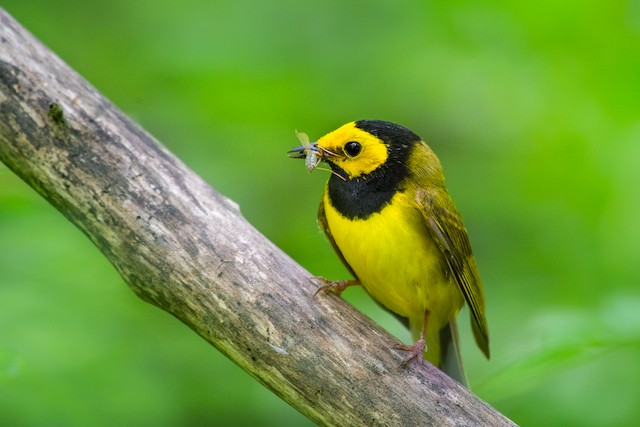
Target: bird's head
[[359, 148]]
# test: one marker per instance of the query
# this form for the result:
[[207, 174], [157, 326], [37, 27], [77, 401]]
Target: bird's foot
[[335, 286], [415, 352]]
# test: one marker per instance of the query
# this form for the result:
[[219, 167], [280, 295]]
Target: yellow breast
[[396, 260]]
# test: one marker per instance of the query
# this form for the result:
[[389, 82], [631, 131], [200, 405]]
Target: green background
[[533, 110]]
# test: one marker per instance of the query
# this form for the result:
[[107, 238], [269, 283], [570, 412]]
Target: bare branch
[[186, 249]]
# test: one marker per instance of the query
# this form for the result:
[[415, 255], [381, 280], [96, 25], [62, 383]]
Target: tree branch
[[186, 249]]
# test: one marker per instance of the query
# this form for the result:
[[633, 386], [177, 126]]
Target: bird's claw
[[335, 286], [415, 352]]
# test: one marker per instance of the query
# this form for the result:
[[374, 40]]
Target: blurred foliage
[[532, 107]]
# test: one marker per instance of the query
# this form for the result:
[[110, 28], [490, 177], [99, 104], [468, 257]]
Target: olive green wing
[[322, 221], [446, 228]]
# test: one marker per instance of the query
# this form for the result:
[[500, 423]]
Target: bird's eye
[[352, 148]]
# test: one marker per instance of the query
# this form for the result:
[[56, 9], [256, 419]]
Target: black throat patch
[[359, 198]]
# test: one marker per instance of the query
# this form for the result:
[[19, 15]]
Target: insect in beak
[[311, 153], [308, 151]]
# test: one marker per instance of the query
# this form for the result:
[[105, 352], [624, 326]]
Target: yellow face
[[353, 150]]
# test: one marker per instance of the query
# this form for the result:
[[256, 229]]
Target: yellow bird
[[389, 217]]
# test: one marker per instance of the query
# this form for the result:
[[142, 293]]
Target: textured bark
[[186, 249]]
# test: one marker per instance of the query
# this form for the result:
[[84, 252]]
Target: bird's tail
[[450, 358], [443, 349]]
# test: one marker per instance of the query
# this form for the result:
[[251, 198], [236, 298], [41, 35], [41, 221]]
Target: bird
[[389, 217]]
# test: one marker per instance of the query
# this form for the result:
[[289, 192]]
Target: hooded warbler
[[390, 219]]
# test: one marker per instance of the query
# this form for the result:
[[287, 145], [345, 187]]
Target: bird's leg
[[335, 286], [415, 350]]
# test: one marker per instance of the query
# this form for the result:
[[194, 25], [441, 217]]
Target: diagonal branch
[[185, 248]]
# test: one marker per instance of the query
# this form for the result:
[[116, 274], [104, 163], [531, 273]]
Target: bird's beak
[[300, 152]]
